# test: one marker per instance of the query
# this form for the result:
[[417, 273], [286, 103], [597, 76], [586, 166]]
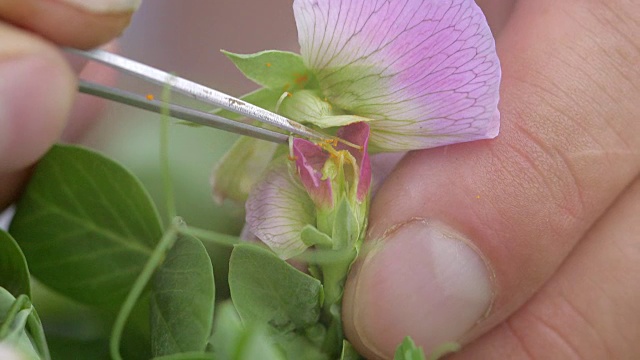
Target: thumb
[[463, 236]]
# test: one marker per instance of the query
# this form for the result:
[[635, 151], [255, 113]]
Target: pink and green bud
[[332, 171], [325, 182]]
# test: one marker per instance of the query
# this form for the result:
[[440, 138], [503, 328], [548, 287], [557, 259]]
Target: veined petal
[[358, 134], [425, 71], [310, 159], [278, 209]]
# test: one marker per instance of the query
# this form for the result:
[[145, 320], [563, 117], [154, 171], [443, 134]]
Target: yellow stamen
[[349, 144]]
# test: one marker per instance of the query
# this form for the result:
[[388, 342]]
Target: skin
[[561, 188], [32, 116], [558, 194]]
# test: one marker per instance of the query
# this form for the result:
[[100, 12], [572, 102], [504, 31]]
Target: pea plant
[[380, 76]]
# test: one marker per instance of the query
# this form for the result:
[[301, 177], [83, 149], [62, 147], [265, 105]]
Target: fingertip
[[78, 24], [36, 94], [424, 280]]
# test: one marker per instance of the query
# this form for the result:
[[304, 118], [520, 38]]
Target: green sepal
[[240, 168], [266, 290], [231, 340], [408, 350], [345, 235], [273, 69], [14, 272], [311, 236], [349, 352], [20, 326], [346, 228], [182, 299], [297, 346]]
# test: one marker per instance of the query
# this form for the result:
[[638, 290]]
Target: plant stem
[[170, 200], [166, 242], [208, 236]]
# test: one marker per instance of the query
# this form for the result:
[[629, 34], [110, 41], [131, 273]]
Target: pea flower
[[419, 73], [323, 191], [386, 76]]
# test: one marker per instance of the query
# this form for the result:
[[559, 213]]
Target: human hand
[[37, 84], [526, 246]]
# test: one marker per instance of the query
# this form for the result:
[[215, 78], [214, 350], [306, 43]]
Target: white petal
[[426, 71], [278, 208]]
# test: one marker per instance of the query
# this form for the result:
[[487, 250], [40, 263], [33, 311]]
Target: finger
[[37, 88], [87, 109], [590, 309], [33, 134], [497, 12], [500, 216], [75, 23], [10, 186]]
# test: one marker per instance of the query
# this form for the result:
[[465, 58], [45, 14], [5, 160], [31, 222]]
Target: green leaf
[[408, 351], [241, 168], [276, 70], [233, 341], [14, 273], [264, 98], [187, 356], [297, 346], [267, 290], [182, 300], [349, 352], [85, 225], [71, 348]]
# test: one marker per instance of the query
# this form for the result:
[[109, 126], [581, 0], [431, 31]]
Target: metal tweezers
[[198, 92]]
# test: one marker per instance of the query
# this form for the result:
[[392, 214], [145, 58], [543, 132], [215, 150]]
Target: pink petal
[[358, 134], [426, 71], [310, 160], [277, 210]]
